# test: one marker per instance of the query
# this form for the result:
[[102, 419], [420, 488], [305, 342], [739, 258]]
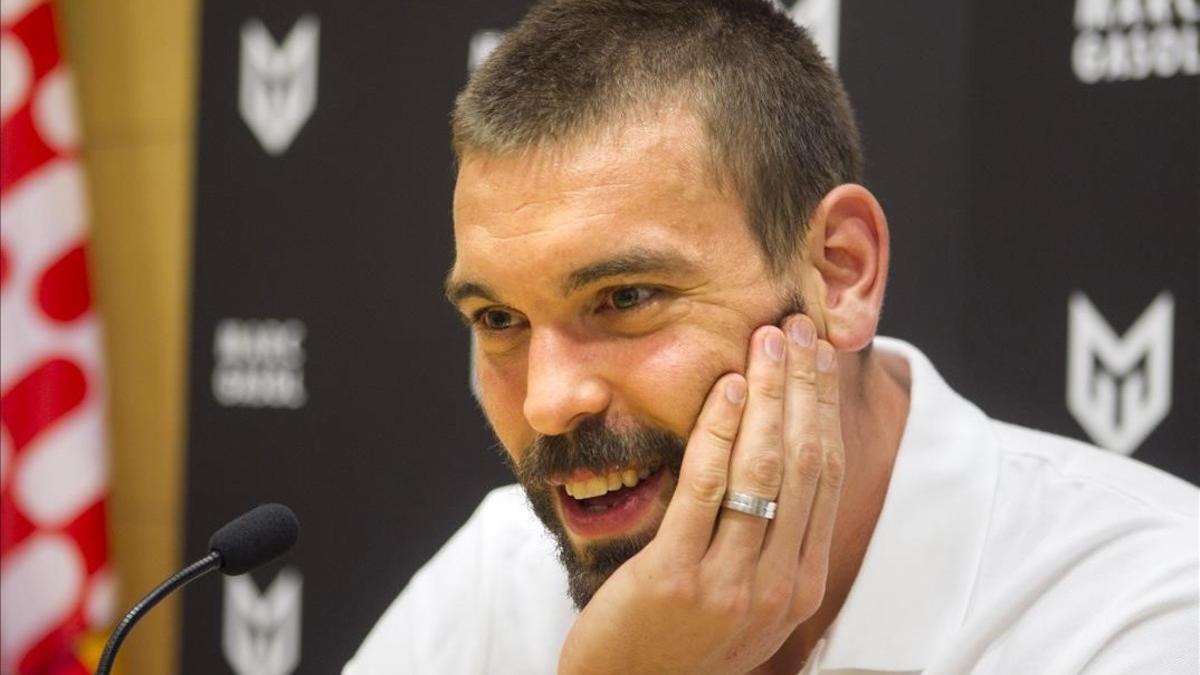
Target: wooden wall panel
[[134, 64]]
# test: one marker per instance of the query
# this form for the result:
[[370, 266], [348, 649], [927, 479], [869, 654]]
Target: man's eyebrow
[[636, 261], [457, 291]]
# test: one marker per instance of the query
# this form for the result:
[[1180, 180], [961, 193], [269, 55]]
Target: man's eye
[[628, 297], [495, 319]]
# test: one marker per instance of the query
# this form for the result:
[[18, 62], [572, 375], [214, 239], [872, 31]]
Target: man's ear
[[847, 246]]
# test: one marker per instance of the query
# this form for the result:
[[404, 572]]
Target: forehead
[[642, 185]]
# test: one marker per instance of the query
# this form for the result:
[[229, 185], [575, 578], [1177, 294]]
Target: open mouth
[[596, 505], [611, 482]]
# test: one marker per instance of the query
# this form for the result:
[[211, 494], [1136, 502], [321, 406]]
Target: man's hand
[[716, 590]]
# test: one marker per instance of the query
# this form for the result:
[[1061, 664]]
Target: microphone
[[254, 538]]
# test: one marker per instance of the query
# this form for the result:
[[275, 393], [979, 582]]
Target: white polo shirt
[[999, 550]]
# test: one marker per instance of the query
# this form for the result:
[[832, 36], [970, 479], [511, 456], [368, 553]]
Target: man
[[674, 280]]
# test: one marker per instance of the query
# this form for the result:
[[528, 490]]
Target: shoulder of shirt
[[506, 510], [460, 611], [502, 527], [508, 498], [1144, 488]]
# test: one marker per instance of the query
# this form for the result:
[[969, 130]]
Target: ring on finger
[[751, 505]]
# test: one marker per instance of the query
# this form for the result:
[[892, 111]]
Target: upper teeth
[[609, 482]]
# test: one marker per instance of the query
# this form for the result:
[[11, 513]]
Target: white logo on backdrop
[[277, 92], [822, 20], [1119, 387], [259, 363], [260, 633], [1135, 39]]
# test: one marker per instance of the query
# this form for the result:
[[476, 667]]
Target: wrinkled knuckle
[[808, 598], [834, 473], [776, 601], [708, 486], [770, 388], [803, 376], [721, 435], [808, 461], [765, 470], [802, 609]]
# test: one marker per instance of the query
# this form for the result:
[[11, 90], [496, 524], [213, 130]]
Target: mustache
[[593, 446]]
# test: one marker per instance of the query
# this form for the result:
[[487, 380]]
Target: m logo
[[821, 18], [1119, 388], [260, 633], [278, 88]]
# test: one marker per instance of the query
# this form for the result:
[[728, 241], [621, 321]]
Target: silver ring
[[749, 504]]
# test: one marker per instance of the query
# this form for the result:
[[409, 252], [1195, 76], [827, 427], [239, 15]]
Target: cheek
[[502, 397], [674, 377]]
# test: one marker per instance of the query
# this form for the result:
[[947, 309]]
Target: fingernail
[[824, 357], [735, 391], [773, 344], [802, 333]]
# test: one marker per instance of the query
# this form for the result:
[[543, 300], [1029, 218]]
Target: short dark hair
[[777, 120]]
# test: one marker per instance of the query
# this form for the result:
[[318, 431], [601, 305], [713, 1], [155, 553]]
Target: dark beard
[[594, 447]]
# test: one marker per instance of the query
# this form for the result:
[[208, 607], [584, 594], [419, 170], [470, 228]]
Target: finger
[[802, 452], [814, 553], [687, 526], [756, 465]]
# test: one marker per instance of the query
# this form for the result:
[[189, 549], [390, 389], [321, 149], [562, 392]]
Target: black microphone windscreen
[[255, 538]]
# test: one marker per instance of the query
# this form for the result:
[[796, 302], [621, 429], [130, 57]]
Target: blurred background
[[222, 285]]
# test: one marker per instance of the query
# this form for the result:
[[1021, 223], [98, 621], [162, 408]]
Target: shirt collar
[[916, 579]]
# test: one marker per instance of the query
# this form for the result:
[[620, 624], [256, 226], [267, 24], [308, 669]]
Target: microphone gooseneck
[[182, 578]]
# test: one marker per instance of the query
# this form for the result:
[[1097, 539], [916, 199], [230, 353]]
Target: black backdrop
[[327, 372]]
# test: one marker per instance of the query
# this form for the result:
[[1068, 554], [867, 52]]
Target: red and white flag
[[55, 579]]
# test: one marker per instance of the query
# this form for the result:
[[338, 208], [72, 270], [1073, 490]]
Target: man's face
[[610, 283]]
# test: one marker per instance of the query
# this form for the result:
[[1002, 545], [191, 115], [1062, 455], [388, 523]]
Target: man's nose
[[563, 386]]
